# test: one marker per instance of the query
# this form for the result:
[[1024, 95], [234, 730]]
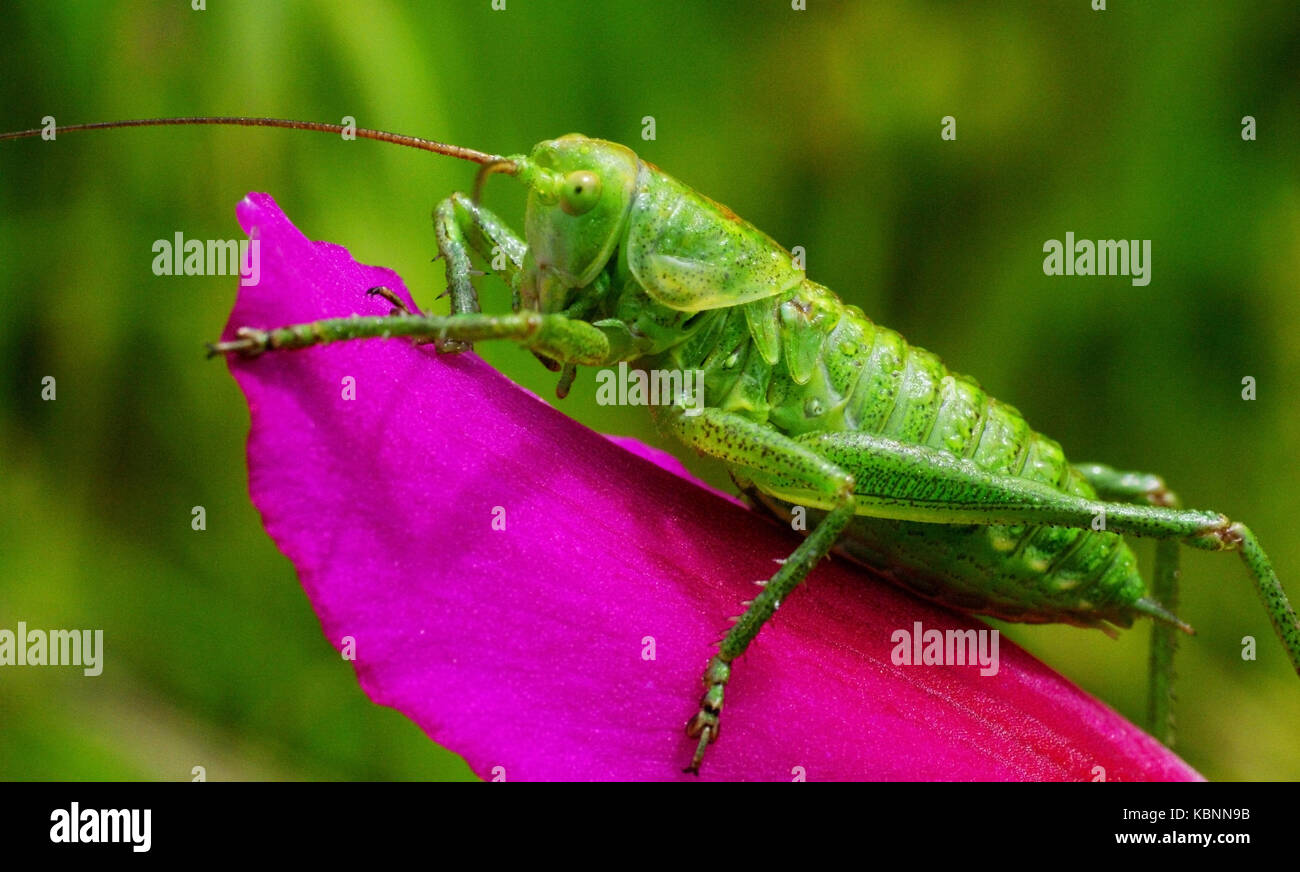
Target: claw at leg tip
[[706, 736]]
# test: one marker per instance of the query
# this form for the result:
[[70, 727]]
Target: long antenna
[[321, 127]]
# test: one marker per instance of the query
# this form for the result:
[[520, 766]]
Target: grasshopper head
[[580, 190]]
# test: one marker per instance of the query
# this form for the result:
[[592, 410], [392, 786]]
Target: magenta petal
[[525, 648]]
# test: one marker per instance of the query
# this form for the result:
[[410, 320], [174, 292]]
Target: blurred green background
[[821, 127]]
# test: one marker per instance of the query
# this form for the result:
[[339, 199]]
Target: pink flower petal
[[526, 648]]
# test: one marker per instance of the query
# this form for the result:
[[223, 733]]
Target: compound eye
[[581, 191]]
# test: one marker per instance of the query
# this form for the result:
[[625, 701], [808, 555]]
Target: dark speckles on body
[[861, 376]]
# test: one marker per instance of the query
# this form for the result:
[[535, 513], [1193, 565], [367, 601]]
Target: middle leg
[[761, 452]]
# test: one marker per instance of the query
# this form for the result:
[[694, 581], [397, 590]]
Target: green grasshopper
[[901, 464]]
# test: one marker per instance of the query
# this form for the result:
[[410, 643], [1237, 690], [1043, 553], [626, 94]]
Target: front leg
[[556, 336], [461, 225]]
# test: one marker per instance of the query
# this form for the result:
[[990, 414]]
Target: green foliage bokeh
[[821, 127]]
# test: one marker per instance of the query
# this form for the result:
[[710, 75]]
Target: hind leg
[[912, 483], [1147, 489]]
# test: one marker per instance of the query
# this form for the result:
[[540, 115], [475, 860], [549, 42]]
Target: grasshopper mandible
[[902, 465]]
